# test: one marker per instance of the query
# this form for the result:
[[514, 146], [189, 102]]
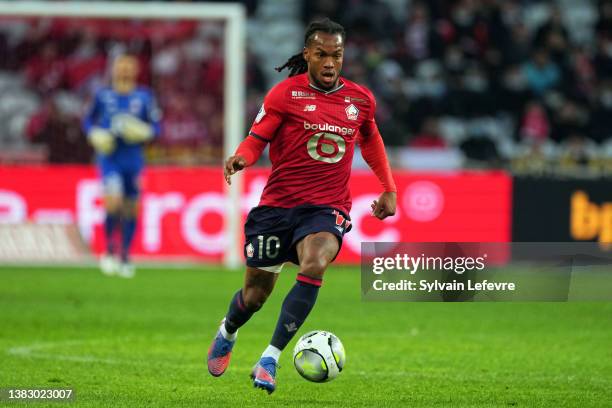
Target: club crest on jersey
[[351, 112], [135, 106], [250, 251], [310, 108], [260, 114]]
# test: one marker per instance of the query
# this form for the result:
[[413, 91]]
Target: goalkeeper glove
[[102, 140], [132, 129]]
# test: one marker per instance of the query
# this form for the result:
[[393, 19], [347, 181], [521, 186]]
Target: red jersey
[[312, 135]]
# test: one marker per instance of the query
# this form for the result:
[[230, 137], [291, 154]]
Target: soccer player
[[312, 121], [120, 120]]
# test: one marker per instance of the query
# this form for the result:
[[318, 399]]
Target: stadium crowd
[[519, 82], [478, 82]]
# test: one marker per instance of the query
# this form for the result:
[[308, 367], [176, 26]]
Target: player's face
[[125, 72], [324, 55]]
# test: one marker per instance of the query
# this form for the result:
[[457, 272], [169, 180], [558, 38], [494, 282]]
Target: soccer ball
[[319, 356]]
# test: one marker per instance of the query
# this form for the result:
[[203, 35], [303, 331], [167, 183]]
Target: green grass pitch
[[143, 342]]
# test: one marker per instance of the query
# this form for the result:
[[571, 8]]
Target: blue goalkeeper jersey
[[107, 103]]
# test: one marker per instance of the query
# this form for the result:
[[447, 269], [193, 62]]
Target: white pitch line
[[37, 350], [43, 351]]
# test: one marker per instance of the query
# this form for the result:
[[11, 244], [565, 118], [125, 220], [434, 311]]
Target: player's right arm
[[91, 115], [102, 140], [262, 132]]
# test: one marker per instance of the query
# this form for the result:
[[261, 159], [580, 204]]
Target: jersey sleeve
[[270, 116], [369, 126], [154, 114], [91, 115], [373, 149]]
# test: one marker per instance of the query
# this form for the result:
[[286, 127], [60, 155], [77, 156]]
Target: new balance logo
[[291, 327], [310, 108]]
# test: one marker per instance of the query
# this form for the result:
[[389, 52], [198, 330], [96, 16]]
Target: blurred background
[[497, 119], [516, 90], [522, 85]]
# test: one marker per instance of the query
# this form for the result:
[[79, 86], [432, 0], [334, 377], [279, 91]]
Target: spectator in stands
[[535, 126], [553, 36], [420, 39], [601, 118], [46, 70], [569, 118], [603, 27], [541, 72], [60, 132], [603, 56], [182, 126], [429, 135], [514, 92]]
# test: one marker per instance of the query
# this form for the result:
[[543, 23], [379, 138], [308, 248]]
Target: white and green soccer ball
[[319, 356]]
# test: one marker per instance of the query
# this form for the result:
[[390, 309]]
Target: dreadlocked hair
[[296, 63]]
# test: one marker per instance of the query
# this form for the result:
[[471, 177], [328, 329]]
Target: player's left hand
[[233, 165], [385, 205], [131, 129]]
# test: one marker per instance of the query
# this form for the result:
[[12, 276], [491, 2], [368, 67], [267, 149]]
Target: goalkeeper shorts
[[119, 182]]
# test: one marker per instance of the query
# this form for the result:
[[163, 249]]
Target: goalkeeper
[[120, 120]]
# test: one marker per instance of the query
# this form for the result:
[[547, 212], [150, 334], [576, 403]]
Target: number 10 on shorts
[[271, 244]]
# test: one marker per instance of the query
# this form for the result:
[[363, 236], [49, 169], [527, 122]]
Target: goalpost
[[234, 17]]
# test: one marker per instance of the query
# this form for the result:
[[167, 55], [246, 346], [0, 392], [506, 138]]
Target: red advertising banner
[[182, 209]]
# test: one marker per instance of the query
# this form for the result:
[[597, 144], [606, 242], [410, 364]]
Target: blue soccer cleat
[[263, 374], [219, 354]]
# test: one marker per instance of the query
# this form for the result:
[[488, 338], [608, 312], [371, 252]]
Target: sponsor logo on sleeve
[[349, 99], [260, 114], [135, 106]]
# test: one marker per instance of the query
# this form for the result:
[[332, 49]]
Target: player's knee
[[129, 209], [254, 299], [112, 204], [313, 267]]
